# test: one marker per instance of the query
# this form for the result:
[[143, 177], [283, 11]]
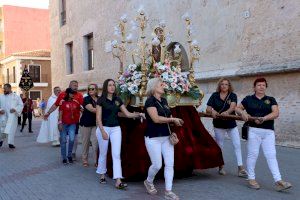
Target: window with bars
[[35, 73]]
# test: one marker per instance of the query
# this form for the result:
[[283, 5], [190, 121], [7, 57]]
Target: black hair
[[7, 85], [105, 89], [68, 92]]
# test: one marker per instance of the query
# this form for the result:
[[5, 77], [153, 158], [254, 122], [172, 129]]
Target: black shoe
[[11, 146], [1, 143], [30, 131], [70, 160], [65, 162], [21, 130]]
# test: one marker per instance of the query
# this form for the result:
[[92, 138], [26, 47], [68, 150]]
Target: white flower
[[132, 67], [165, 76], [161, 67], [173, 85], [133, 89], [137, 81]]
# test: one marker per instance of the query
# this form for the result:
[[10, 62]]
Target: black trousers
[[25, 117], [19, 120]]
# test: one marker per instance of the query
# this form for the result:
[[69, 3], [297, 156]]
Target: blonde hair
[[96, 88], [230, 88], [152, 83]]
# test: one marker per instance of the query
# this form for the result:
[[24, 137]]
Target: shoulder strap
[[227, 97], [170, 132]]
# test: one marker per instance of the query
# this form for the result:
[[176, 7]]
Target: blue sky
[[26, 3]]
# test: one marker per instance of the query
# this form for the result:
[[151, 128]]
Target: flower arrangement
[[130, 80], [174, 79], [129, 83]]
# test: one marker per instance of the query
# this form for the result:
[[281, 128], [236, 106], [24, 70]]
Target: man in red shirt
[[78, 98], [27, 112]]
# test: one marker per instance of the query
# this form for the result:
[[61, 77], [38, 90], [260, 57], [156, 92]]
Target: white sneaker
[[150, 187], [171, 195]]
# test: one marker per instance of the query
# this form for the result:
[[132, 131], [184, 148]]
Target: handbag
[[173, 136], [245, 130]]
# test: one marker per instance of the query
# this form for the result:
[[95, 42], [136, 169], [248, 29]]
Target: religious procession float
[[141, 58]]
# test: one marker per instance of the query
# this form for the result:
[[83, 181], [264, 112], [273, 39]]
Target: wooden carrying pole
[[230, 117]]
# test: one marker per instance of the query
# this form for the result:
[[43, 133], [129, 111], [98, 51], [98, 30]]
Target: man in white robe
[[11, 106], [49, 129]]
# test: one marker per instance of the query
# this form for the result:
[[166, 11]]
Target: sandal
[[242, 173], [102, 180], [122, 186], [85, 164]]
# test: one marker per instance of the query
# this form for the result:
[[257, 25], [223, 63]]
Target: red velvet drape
[[196, 149]]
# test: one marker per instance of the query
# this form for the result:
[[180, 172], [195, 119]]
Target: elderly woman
[[108, 106], [88, 125], [224, 101], [158, 116], [261, 132]]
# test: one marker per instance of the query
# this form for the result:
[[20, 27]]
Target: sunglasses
[[91, 89]]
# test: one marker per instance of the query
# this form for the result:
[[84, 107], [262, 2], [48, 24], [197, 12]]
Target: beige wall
[[232, 43]]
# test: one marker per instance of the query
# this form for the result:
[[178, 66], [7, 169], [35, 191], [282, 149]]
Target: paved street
[[34, 171]]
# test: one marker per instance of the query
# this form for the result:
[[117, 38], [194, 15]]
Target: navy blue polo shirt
[[88, 118], [110, 109], [217, 104], [259, 108], [155, 129]]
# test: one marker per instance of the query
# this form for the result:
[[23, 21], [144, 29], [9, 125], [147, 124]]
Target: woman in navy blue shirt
[[224, 101], [261, 132]]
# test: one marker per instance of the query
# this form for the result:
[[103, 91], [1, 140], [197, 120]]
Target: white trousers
[[265, 138], [233, 133], [115, 137], [158, 147]]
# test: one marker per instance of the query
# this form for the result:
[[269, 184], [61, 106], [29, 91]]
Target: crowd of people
[[96, 117]]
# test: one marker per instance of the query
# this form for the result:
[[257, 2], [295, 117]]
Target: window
[[14, 74], [69, 56], [35, 73], [34, 95], [7, 75], [63, 16], [88, 52]]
